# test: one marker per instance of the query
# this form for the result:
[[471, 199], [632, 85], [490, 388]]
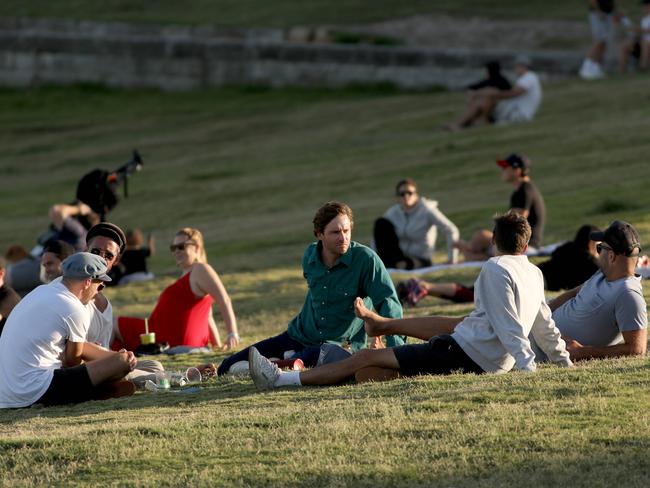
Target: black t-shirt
[[528, 197], [499, 82], [606, 6], [134, 260], [568, 267]]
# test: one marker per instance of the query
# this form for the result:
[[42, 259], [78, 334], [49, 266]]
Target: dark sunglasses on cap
[[107, 255], [405, 193], [181, 246]]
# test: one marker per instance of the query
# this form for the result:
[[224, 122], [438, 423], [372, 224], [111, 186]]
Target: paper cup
[[149, 338]]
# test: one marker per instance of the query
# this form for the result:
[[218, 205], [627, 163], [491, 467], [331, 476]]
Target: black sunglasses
[[107, 255], [101, 286], [181, 246], [406, 193], [600, 247]]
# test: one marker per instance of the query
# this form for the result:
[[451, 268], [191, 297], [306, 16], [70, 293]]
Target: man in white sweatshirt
[[510, 305]]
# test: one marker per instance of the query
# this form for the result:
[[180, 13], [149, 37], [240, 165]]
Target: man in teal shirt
[[337, 271]]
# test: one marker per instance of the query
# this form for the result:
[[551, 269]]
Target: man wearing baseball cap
[[44, 343], [606, 316], [526, 200]]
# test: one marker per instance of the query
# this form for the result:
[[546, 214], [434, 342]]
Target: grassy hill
[[249, 167], [287, 13]]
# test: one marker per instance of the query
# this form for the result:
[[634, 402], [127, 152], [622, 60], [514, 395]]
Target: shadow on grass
[[455, 388], [224, 390]]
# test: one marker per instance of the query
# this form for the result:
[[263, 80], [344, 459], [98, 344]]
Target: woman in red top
[[183, 314]]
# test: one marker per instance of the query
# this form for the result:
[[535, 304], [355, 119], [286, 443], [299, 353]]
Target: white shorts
[[602, 28], [509, 111]]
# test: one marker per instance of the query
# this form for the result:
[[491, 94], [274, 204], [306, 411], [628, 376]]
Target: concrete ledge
[[181, 58]]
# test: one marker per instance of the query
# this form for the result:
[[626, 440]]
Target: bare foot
[[373, 322]]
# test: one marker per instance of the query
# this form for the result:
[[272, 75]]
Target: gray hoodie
[[417, 228]]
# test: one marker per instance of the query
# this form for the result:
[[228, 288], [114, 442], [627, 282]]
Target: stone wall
[[42, 51]]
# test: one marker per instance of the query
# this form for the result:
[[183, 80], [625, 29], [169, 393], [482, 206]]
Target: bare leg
[[439, 289], [419, 327], [374, 373], [480, 107], [333, 373], [645, 55], [477, 248], [597, 52], [624, 56], [112, 368]]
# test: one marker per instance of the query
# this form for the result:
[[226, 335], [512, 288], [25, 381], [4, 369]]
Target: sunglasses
[[101, 286], [181, 246], [107, 255], [406, 193], [600, 247]]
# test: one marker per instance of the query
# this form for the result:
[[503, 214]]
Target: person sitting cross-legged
[[510, 305], [44, 356]]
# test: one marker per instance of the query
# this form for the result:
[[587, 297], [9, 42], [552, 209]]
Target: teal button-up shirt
[[328, 312]]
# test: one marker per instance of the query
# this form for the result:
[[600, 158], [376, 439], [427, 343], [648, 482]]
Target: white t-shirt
[[645, 25], [34, 340], [101, 323], [523, 107]]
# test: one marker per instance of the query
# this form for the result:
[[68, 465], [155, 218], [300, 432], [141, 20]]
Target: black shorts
[[69, 385], [441, 355]]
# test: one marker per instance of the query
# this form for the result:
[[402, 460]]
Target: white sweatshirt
[[510, 305]]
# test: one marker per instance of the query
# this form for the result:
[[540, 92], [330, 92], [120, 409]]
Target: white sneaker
[[591, 70], [585, 70], [240, 368], [597, 71], [264, 372]]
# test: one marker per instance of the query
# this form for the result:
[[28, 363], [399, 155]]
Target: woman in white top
[[405, 237]]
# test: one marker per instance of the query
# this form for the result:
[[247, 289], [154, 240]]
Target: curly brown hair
[[329, 212]]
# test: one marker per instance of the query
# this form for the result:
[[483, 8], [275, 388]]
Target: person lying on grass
[[607, 315], [510, 305]]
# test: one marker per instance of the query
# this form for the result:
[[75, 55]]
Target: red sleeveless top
[[179, 318]]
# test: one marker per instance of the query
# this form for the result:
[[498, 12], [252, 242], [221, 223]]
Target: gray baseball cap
[[84, 265]]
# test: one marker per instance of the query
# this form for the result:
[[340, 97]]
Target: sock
[[288, 378]]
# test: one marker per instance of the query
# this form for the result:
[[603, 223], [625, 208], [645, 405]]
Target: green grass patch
[[286, 13], [249, 167]]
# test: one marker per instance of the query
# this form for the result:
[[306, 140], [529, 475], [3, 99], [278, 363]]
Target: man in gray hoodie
[[510, 306]]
